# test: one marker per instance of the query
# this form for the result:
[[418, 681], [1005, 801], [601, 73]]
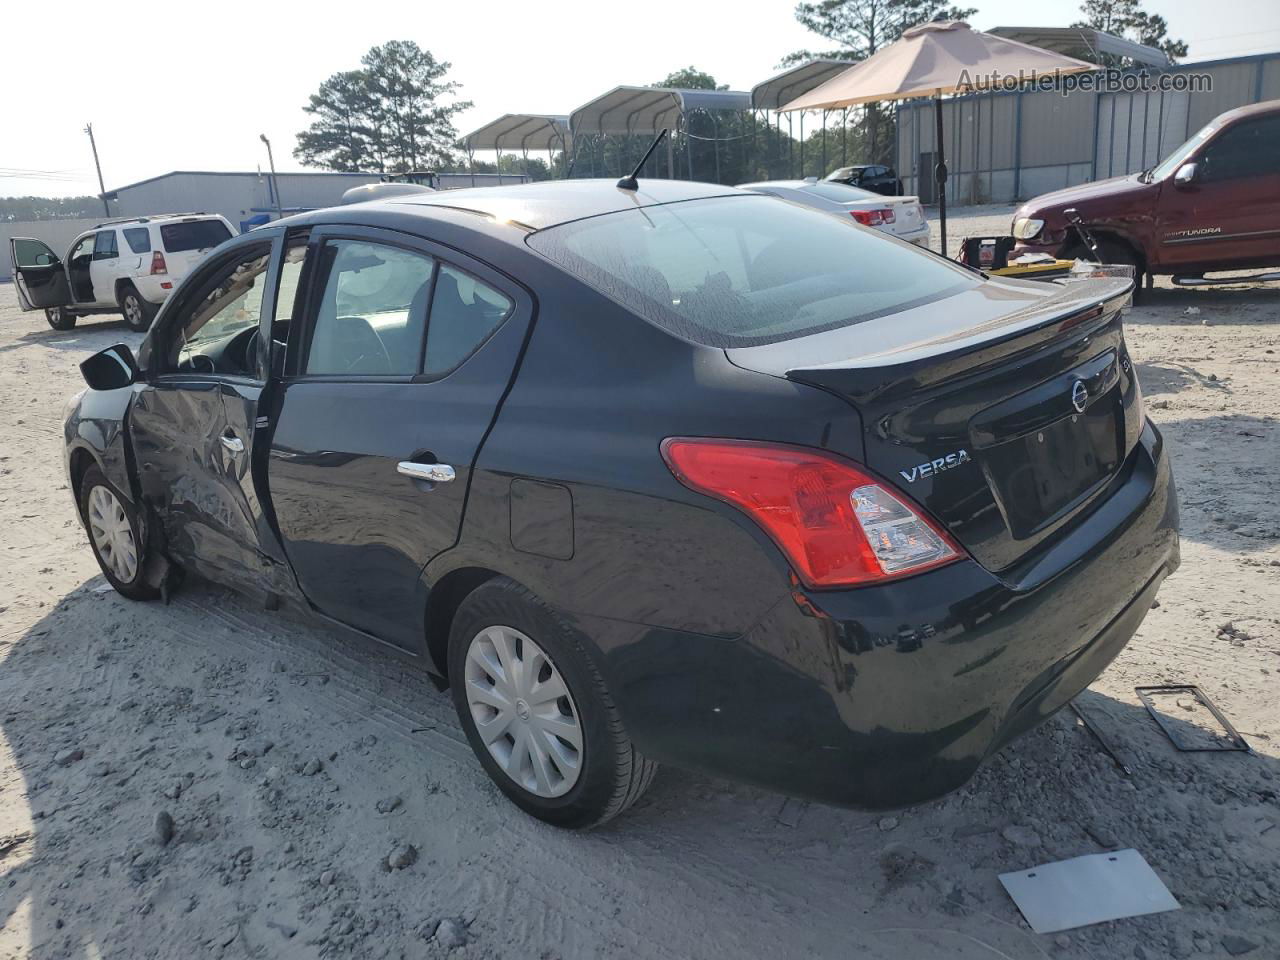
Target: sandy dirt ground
[[209, 779]]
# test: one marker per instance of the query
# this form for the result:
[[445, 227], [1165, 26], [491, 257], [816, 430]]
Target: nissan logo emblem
[[1079, 396]]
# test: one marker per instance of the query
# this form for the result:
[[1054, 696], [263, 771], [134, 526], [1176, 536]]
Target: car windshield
[[193, 235], [741, 271], [1175, 159]]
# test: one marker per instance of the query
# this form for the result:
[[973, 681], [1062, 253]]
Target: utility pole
[[275, 184], [102, 187]]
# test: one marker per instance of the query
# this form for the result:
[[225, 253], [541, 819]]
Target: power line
[[44, 178], [66, 170], [43, 174]]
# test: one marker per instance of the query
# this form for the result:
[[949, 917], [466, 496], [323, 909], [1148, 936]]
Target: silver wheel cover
[[523, 711], [132, 310], [112, 536]]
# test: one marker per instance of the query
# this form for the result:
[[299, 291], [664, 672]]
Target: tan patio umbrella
[[928, 61]]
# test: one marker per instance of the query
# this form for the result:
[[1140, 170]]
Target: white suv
[[121, 266]]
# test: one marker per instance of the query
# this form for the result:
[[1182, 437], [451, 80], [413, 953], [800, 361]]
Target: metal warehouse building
[[1002, 147], [243, 198]]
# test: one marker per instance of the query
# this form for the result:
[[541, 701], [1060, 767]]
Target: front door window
[[1249, 149], [218, 333]]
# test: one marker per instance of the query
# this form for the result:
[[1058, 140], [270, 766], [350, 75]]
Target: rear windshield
[[742, 271], [193, 235]]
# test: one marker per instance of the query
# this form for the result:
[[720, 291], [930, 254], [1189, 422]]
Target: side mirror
[[1186, 175], [110, 369]]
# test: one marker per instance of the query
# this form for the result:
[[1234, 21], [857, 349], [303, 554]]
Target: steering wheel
[[250, 346]]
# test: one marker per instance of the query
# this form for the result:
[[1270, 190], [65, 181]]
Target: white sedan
[[902, 217]]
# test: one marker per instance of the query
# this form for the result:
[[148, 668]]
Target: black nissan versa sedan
[[680, 474]]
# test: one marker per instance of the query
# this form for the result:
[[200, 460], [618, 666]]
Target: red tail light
[[157, 263], [873, 218], [837, 525]]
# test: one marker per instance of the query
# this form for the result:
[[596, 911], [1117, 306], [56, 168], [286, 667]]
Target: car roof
[[1249, 110], [157, 218], [547, 203]]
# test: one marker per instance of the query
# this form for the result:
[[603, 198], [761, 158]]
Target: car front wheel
[[536, 711], [116, 536], [60, 318]]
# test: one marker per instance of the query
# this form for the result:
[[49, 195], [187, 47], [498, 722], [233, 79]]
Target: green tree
[[1126, 18], [534, 167], [860, 28], [393, 115], [690, 78]]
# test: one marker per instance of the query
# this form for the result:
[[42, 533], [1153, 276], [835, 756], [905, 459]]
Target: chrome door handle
[[431, 472], [234, 444]]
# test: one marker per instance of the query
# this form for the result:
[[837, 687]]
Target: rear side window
[[742, 271], [139, 239], [104, 246], [193, 235], [373, 313], [464, 312]]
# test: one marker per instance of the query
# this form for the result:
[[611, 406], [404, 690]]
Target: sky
[[191, 87]]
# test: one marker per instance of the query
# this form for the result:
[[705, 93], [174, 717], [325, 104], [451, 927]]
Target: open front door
[[38, 275]]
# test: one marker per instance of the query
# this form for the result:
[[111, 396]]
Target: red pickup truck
[[1212, 204]]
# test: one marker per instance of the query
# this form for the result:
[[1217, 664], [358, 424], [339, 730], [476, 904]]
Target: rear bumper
[[920, 237], [894, 695], [151, 289]]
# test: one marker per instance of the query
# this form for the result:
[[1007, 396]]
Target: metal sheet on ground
[[1085, 890]]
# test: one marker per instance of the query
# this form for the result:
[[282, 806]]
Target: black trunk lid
[[1006, 410]]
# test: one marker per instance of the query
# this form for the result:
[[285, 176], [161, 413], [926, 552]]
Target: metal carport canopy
[[521, 131], [1084, 43], [627, 110], [789, 84]]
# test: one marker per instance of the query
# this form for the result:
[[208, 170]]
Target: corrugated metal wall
[[1010, 146], [237, 196]]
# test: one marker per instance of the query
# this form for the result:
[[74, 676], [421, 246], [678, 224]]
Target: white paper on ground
[[1084, 890]]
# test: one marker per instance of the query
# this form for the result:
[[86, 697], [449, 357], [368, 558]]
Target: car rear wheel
[[138, 312], [116, 536], [537, 713], [60, 318]]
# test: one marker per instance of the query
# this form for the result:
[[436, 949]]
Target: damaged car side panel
[[94, 431], [195, 472], [193, 430]]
